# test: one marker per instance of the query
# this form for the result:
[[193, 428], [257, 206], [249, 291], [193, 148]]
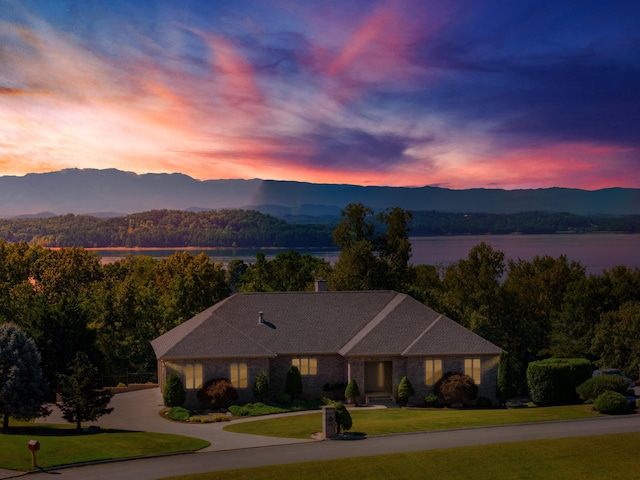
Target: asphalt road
[[161, 467]]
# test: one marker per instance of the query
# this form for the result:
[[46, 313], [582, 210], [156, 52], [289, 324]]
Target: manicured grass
[[61, 445], [586, 458], [396, 420]]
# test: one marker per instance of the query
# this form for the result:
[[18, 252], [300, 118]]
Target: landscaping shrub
[[254, 410], [174, 394], [454, 387], [405, 390], [343, 417], [352, 392], [299, 404], [483, 402], [505, 386], [218, 392], [431, 400], [554, 381], [611, 402], [293, 382], [595, 386], [282, 399], [261, 387], [336, 388], [179, 414]]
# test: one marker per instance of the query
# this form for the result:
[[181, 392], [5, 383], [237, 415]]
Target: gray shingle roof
[[315, 323]]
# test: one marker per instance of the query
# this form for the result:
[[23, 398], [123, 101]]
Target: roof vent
[[261, 318]]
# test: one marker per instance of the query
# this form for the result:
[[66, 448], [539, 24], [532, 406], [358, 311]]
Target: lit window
[[472, 369], [193, 376], [239, 375], [433, 371], [307, 366]]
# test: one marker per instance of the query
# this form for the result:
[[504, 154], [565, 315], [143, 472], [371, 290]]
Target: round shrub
[[179, 414], [611, 402], [554, 381], [454, 387], [431, 401], [595, 386], [174, 394], [218, 392]]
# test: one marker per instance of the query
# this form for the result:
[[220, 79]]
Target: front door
[[377, 377]]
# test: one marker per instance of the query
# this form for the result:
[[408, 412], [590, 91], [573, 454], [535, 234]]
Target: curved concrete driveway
[[139, 410]]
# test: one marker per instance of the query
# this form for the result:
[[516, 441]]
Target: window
[[307, 366], [472, 368], [193, 376], [239, 375], [433, 371]]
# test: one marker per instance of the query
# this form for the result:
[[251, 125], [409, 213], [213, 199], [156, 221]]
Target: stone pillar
[[328, 421]]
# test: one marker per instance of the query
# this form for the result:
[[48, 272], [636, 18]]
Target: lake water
[[596, 252]]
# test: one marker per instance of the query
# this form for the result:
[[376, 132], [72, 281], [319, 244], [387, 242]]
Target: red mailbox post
[[34, 446]]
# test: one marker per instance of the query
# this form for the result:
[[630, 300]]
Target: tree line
[[249, 228], [67, 301]]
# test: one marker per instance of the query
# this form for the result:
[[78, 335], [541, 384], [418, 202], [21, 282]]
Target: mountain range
[[112, 192]]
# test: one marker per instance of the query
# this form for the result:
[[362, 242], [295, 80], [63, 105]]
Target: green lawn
[[61, 445], [584, 458], [397, 420]]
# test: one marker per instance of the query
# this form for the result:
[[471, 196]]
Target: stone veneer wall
[[489, 374]]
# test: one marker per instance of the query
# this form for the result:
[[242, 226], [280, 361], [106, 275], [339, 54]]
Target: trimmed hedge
[[554, 381], [611, 402], [179, 414], [595, 386]]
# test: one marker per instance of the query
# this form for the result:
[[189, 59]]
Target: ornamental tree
[[174, 394], [352, 392], [293, 382], [261, 387], [405, 390], [81, 401], [23, 388]]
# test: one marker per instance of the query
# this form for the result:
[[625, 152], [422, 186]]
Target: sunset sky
[[458, 94]]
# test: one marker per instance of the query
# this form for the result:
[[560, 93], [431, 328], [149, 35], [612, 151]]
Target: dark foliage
[[174, 394], [595, 386], [454, 387], [219, 392], [554, 381], [611, 402], [293, 382]]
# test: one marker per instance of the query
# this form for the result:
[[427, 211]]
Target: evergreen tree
[[261, 387], [352, 392], [293, 382], [23, 388], [405, 390], [505, 385], [81, 401], [174, 394]]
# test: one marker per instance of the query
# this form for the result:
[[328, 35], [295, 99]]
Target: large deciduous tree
[[81, 401], [23, 388], [370, 260]]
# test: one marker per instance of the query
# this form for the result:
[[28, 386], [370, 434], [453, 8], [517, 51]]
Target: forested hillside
[[249, 228], [166, 228]]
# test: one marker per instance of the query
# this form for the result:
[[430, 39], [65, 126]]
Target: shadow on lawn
[[58, 431]]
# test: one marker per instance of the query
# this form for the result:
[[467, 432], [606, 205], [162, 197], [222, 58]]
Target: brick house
[[375, 337]]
